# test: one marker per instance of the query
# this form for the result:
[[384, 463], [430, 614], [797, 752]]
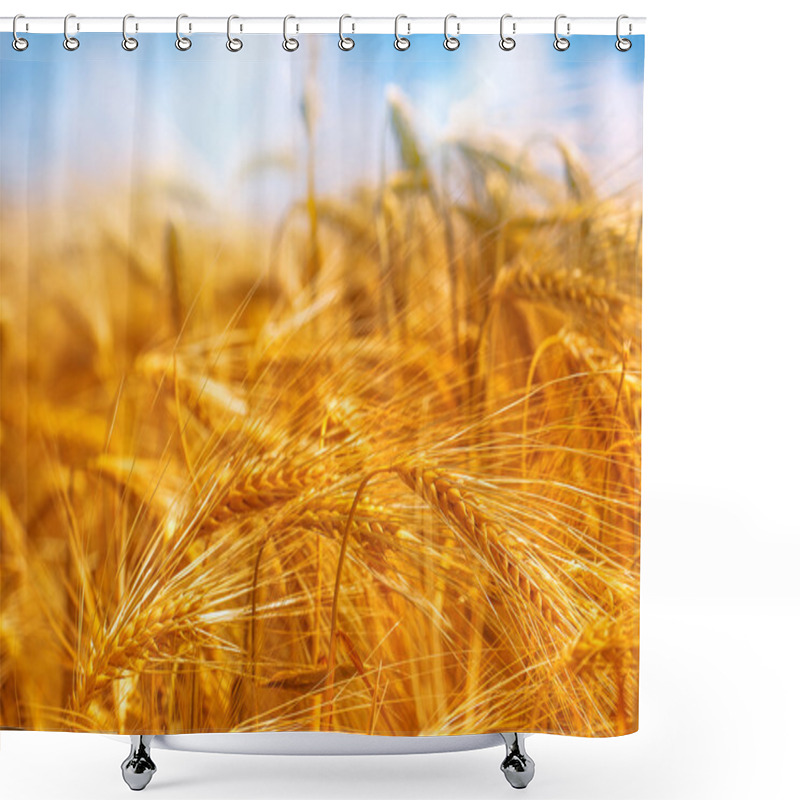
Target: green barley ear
[[412, 158], [578, 182], [309, 108]]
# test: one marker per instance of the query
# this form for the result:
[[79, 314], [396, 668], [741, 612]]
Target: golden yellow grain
[[131, 644], [438, 341], [455, 504], [260, 488]]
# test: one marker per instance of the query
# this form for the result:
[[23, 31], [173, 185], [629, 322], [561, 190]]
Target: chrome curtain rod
[[408, 25]]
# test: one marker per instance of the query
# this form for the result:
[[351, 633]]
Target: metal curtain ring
[[290, 45], [18, 43], [400, 42], [561, 43], [234, 45], [70, 42], [181, 42], [623, 45], [128, 42], [506, 42], [345, 42], [451, 42]]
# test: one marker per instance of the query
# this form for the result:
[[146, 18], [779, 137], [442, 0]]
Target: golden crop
[[374, 470]]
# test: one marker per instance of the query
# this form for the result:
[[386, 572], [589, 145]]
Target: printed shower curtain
[[321, 389]]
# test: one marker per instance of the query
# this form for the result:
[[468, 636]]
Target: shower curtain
[[321, 385]]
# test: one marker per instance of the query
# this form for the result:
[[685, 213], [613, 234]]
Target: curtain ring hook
[[561, 43], [181, 42], [345, 42], [400, 42], [289, 45], [234, 45], [18, 43], [507, 42], [623, 45], [451, 42], [128, 42], [70, 42]]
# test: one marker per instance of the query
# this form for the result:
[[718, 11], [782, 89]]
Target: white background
[[720, 696]]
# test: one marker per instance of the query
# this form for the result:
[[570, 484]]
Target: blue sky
[[100, 113]]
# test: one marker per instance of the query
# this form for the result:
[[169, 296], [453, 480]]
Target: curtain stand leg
[[517, 766], [138, 768]]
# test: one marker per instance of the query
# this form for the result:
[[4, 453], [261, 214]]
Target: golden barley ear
[[174, 273]]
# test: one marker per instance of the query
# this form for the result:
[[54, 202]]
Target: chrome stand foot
[[138, 768], [517, 766]]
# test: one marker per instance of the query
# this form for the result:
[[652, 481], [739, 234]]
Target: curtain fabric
[[321, 385]]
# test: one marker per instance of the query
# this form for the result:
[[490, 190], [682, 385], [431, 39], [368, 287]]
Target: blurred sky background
[[229, 125]]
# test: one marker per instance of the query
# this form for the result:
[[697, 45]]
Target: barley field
[[372, 469]]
